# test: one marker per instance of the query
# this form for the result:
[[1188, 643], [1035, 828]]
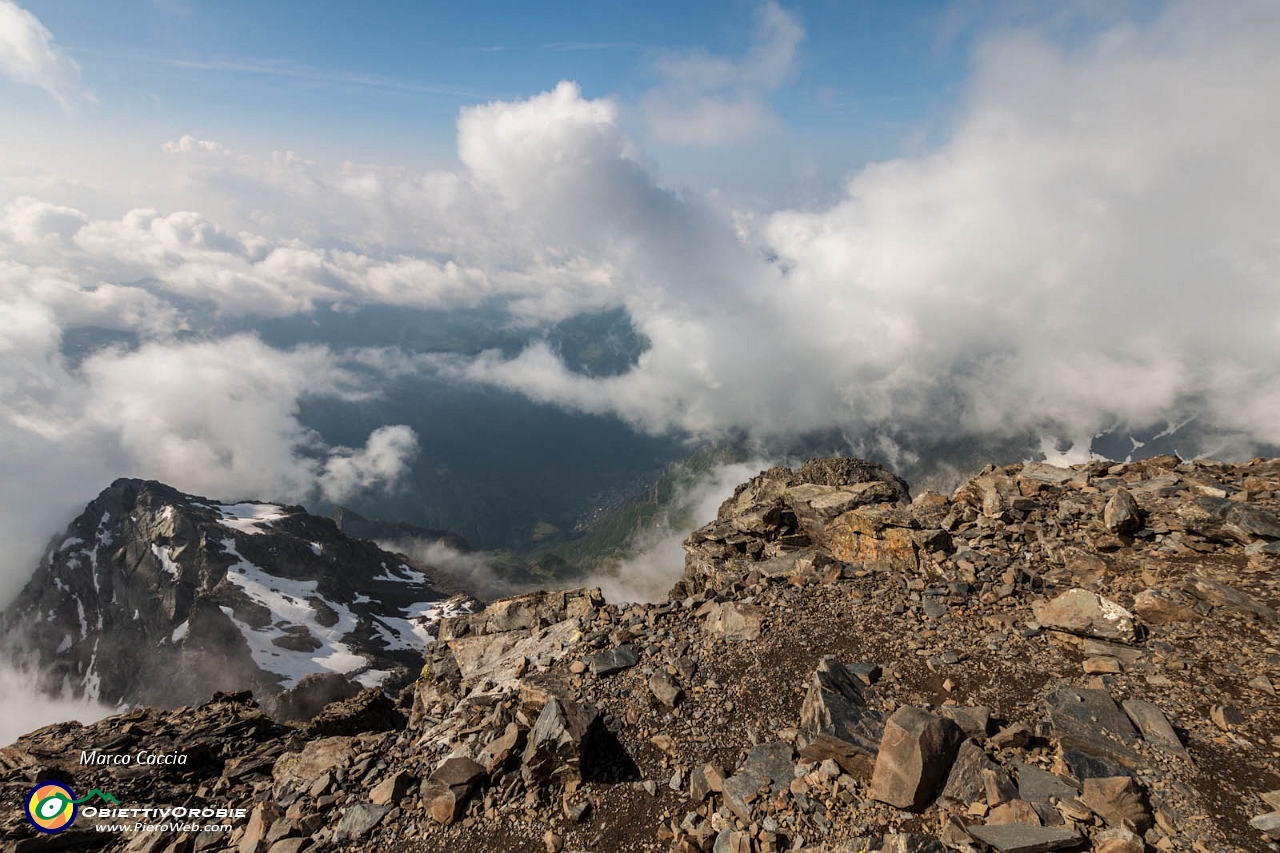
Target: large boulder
[[915, 756]]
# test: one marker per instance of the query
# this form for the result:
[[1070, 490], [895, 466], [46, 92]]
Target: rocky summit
[[155, 597], [1049, 658]]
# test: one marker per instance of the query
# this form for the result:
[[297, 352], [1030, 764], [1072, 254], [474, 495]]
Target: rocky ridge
[[1079, 658], [155, 597]]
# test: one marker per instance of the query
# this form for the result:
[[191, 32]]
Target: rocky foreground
[[1048, 659]]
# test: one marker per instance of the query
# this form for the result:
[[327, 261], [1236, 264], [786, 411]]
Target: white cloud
[[217, 417], [28, 54], [711, 100], [658, 561], [1092, 245], [24, 709], [383, 461], [188, 144]]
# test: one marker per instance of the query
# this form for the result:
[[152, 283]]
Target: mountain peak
[[155, 596]]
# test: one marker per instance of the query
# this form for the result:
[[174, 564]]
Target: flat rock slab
[[968, 780], [614, 660], [774, 762], [1268, 825], [1082, 612], [1037, 786], [1090, 721], [1154, 726], [1022, 838]]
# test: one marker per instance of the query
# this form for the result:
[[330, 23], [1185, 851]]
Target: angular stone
[[837, 722], [255, 830], [315, 759], [1082, 765], [563, 732], [359, 820], [1021, 838], [459, 772], [1082, 612], [1089, 721], [1117, 840], [1119, 801], [614, 660], [1226, 717], [735, 621], [851, 540], [444, 804], [392, 789], [1159, 607], [732, 841], [966, 782], [291, 845], [1268, 825], [1226, 597], [1154, 726], [502, 749], [916, 754], [665, 689], [773, 762], [1039, 786], [1042, 472], [1014, 811], [973, 720], [1121, 514]]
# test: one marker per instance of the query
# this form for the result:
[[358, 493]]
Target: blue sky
[[383, 82]]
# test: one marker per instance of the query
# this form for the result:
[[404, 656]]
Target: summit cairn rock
[[915, 756]]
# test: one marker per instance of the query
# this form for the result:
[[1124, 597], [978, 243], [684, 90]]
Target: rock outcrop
[[155, 597]]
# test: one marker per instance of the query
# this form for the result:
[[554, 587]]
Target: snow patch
[[64, 645], [249, 517], [165, 555], [71, 542], [288, 602], [180, 632], [410, 576]]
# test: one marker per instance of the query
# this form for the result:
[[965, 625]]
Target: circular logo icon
[[51, 807]]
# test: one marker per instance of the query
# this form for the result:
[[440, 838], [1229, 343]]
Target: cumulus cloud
[[658, 558], [213, 417], [188, 144], [382, 461], [28, 54], [1091, 247], [710, 100]]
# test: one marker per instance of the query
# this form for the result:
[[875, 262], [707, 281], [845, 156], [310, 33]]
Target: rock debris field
[[1076, 659]]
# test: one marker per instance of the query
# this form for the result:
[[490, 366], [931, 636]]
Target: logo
[[52, 807]]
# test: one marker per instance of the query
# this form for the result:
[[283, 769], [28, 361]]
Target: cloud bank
[[28, 54], [1092, 245]]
